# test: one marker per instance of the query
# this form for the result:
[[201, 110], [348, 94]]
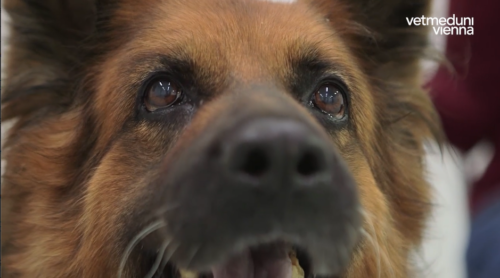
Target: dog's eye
[[330, 100], [161, 93]]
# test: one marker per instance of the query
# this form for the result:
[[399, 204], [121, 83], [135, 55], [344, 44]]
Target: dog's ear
[[45, 48], [379, 31]]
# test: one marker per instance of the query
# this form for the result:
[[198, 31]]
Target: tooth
[[189, 274], [297, 271]]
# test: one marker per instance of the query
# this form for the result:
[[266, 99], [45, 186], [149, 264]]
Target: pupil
[[162, 89], [327, 95]]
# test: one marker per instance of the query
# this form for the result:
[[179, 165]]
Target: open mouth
[[274, 260]]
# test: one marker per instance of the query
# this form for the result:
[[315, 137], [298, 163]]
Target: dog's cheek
[[39, 162], [380, 245], [112, 198]]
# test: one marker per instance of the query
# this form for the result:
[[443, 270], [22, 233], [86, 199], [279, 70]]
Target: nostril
[[256, 163], [309, 163]]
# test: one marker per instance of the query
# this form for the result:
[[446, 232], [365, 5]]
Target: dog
[[216, 137]]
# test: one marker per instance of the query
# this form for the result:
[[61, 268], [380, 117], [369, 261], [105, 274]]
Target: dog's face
[[216, 136]]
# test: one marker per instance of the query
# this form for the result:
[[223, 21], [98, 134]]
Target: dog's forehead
[[249, 38], [254, 18]]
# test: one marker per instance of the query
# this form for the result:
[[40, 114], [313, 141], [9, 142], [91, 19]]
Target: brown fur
[[75, 162]]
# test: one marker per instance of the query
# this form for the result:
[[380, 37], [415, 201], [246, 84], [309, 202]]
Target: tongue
[[265, 262], [272, 262]]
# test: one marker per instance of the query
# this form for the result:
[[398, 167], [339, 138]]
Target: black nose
[[275, 152], [252, 181]]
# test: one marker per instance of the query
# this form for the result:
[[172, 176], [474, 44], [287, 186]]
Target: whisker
[[375, 242], [166, 208], [141, 235], [165, 261], [344, 252], [372, 239], [159, 259], [162, 266], [377, 249], [193, 254]]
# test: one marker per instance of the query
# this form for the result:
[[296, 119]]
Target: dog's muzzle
[[251, 186]]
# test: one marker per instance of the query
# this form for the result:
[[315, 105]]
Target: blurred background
[[443, 252]]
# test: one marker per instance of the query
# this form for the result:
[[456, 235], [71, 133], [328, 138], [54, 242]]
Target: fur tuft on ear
[[379, 32], [46, 46]]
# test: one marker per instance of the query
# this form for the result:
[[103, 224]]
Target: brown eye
[[161, 93], [329, 99]]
